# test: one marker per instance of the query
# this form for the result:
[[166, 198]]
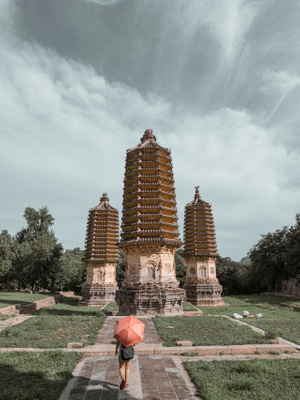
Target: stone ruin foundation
[[101, 255]]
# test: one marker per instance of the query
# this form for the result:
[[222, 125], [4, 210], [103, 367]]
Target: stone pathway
[[13, 321], [151, 378]]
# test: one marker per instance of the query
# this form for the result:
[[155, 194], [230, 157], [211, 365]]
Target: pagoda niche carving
[[101, 254], [149, 234], [200, 253]]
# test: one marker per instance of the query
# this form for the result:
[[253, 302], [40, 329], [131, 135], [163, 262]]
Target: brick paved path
[[152, 378]]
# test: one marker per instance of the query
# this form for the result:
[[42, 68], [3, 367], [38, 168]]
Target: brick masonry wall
[[9, 310], [36, 305], [290, 287]]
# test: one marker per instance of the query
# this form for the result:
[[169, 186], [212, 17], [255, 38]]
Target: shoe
[[126, 386], [122, 385]]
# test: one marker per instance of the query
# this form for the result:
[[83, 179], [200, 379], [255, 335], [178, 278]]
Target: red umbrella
[[129, 331]]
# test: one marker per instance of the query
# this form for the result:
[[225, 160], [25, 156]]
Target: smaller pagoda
[[101, 254], [200, 253]]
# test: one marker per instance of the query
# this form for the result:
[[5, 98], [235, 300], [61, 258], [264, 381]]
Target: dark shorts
[[121, 361]]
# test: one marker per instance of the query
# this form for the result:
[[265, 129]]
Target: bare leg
[[127, 371], [122, 371]]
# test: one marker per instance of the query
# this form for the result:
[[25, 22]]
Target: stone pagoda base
[[149, 300], [204, 294], [96, 295]]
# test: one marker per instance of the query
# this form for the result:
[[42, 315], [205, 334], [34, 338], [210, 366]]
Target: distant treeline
[[275, 257], [33, 259]]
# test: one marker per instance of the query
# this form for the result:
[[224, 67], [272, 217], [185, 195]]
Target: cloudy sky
[[218, 81]]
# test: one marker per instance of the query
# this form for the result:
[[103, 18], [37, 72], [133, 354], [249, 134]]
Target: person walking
[[125, 356], [128, 331]]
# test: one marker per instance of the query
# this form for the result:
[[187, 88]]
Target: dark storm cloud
[[218, 81]]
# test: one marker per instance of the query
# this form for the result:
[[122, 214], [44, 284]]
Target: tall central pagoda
[[149, 234]]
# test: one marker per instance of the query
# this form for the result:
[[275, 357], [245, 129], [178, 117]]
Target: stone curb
[[154, 349], [14, 321], [239, 357]]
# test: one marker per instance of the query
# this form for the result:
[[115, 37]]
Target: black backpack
[[127, 353]]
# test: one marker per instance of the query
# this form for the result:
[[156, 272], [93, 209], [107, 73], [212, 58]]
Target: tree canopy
[[276, 257]]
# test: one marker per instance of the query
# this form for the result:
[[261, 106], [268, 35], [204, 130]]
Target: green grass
[[283, 320], [244, 380], [11, 298], [54, 327], [205, 331], [189, 307], [68, 307], [52, 332], [38, 376], [113, 306]]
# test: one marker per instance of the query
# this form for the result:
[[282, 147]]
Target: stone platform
[[160, 301], [200, 294], [97, 295]]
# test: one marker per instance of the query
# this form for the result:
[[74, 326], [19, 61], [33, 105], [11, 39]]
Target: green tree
[[227, 274], [268, 258], [37, 251], [72, 271], [180, 266], [235, 277], [276, 257], [6, 257], [120, 270], [292, 255]]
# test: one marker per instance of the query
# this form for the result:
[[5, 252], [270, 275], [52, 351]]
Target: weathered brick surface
[[151, 377], [36, 305], [9, 310], [243, 349]]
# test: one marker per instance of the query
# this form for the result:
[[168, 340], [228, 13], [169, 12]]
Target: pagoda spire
[[148, 136]]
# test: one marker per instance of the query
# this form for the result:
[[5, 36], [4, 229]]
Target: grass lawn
[[189, 307], [68, 307], [56, 326], [284, 321], [11, 298], [244, 380], [205, 331], [113, 306], [38, 376]]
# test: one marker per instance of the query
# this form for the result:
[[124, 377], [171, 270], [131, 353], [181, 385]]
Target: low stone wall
[[290, 287], [296, 308], [36, 305], [9, 310]]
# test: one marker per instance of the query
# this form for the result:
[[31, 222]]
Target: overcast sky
[[217, 81]]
